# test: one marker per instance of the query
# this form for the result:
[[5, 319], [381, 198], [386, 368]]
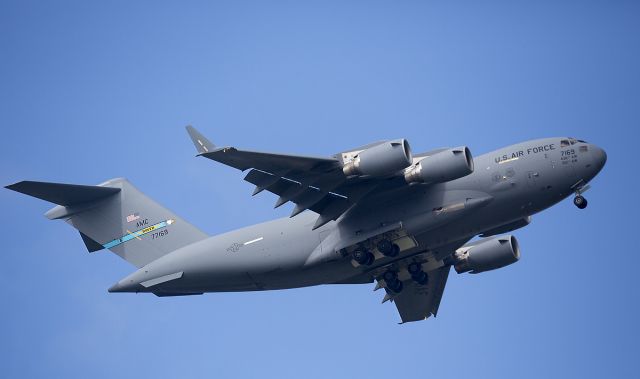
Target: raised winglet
[[202, 144]]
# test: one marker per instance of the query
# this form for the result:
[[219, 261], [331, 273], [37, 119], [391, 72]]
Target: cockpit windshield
[[570, 141]]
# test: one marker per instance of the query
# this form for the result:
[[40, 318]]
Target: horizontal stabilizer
[[62, 194], [116, 216]]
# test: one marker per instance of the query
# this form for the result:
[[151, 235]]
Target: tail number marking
[[136, 234]]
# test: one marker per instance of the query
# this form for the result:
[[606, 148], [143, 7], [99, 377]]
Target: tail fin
[[116, 216]]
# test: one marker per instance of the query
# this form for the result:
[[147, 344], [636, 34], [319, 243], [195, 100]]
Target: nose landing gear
[[580, 188], [580, 202]]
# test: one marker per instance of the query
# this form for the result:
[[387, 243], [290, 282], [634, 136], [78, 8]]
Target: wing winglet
[[202, 144]]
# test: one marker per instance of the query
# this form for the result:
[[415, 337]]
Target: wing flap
[[328, 205]]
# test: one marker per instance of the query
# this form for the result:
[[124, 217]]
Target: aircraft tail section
[[116, 216]]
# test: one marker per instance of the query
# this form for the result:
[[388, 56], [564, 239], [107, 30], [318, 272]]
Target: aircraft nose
[[599, 156]]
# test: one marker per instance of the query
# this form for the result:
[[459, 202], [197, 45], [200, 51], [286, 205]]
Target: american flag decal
[[133, 217]]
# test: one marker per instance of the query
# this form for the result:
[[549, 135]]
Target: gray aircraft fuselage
[[507, 186]]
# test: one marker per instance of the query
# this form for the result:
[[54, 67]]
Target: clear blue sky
[[94, 90]]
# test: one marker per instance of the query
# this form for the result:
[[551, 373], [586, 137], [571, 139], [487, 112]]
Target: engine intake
[[380, 160], [442, 167], [487, 255]]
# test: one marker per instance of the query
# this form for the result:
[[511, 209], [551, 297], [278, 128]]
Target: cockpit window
[[564, 143], [572, 141], [582, 141]]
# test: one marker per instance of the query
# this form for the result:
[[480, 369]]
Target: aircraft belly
[[256, 258], [447, 213]]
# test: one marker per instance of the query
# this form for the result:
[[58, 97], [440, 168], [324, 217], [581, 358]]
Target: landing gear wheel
[[393, 283], [418, 276], [389, 276], [396, 250], [421, 278], [580, 202], [371, 259], [414, 268], [395, 286], [363, 257], [388, 248]]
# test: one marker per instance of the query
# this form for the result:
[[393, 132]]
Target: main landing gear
[[418, 276], [393, 283], [388, 248], [363, 256]]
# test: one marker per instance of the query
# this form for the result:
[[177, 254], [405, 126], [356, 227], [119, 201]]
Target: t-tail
[[115, 215]]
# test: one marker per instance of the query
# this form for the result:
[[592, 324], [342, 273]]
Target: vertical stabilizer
[[116, 216]]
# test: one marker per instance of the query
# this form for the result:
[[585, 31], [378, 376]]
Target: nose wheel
[[580, 202], [580, 188]]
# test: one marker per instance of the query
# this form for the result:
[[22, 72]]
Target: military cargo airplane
[[377, 213]]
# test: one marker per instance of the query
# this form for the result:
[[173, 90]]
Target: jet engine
[[380, 160], [488, 254], [441, 167]]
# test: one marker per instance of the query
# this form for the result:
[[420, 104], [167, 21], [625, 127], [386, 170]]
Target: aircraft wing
[[315, 183], [418, 302], [268, 162]]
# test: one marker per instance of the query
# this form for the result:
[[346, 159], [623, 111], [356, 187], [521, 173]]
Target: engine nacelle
[[380, 160], [487, 255], [442, 167]]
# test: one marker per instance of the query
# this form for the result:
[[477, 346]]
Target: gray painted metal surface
[[347, 227]]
